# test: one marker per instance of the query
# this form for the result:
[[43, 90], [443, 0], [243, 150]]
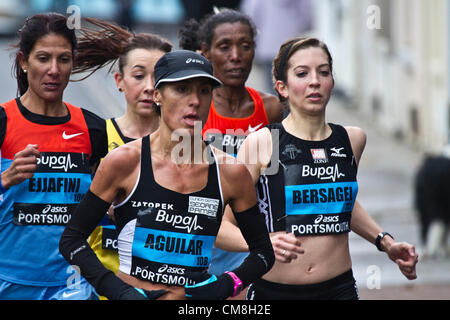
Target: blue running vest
[[33, 213]]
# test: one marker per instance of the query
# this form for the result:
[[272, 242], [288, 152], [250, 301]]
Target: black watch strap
[[380, 236]]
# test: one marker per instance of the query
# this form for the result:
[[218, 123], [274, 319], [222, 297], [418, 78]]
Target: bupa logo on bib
[[63, 162], [204, 206]]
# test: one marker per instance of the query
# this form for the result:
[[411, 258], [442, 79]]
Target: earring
[[120, 90], [24, 70]]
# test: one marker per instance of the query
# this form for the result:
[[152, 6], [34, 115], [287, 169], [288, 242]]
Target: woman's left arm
[[402, 253]]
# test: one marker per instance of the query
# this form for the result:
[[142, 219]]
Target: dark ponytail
[[188, 35], [194, 34], [109, 43]]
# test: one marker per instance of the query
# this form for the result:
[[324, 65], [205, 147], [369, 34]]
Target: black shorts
[[342, 287]]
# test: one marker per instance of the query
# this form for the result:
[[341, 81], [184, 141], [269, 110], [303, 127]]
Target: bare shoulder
[[257, 145], [117, 172], [259, 136], [256, 152], [235, 180], [358, 139], [356, 134], [232, 171], [229, 167], [121, 161], [273, 106]]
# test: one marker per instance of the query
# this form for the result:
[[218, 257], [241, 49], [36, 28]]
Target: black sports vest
[[170, 232], [315, 188]]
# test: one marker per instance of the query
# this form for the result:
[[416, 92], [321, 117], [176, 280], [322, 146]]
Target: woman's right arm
[[73, 245], [22, 167]]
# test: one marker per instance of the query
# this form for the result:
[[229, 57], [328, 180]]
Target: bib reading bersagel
[[318, 183]]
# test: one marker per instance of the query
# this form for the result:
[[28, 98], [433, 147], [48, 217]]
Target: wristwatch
[[380, 236], [238, 285]]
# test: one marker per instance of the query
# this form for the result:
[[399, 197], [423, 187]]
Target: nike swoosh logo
[[253, 129], [70, 136], [66, 295]]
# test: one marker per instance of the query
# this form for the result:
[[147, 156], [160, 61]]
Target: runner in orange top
[[228, 133]]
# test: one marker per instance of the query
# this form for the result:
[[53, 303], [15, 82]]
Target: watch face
[[380, 236]]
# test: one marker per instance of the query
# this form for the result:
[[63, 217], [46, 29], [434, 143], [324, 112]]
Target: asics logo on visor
[[193, 60]]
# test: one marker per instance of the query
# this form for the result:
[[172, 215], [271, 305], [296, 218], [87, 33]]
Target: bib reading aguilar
[[163, 234]]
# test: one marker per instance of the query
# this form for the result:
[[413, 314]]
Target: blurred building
[[12, 15], [392, 61], [392, 57]]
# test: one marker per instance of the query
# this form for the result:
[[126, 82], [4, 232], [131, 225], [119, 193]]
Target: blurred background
[[391, 68]]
